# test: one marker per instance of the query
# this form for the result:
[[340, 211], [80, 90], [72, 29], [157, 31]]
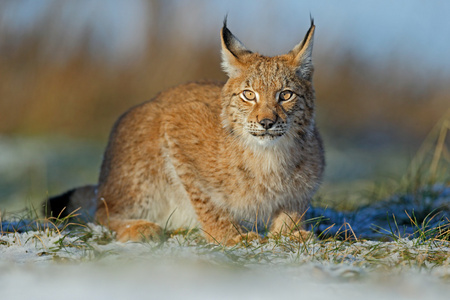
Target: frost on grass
[[95, 243], [50, 243], [184, 266]]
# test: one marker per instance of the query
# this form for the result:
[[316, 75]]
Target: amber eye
[[249, 95], [286, 95]]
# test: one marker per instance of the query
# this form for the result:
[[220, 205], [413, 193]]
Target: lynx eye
[[286, 95], [249, 95]]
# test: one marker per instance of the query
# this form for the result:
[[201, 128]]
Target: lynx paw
[[138, 230], [300, 236], [244, 237]]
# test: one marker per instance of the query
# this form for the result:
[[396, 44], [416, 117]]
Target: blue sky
[[413, 31]]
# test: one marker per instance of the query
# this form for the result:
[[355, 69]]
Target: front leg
[[289, 224], [217, 224], [192, 152]]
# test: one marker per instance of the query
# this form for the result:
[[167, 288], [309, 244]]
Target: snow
[[34, 265], [153, 279]]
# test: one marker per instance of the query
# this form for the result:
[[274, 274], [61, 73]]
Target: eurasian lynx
[[219, 156]]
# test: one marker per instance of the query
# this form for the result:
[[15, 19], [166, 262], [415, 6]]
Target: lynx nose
[[266, 123]]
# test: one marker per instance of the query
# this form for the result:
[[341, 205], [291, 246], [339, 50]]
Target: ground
[[88, 263]]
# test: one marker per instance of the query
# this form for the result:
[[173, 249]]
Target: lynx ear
[[233, 52], [303, 54]]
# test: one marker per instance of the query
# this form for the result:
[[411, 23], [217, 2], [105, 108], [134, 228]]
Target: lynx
[[224, 157]]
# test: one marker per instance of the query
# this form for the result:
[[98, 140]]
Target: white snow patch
[[183, 269]]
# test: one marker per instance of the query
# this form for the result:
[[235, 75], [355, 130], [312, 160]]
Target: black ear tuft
[[225, 21], [228, 36], [233, 51], [302, 53]]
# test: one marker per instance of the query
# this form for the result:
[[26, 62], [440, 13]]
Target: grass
[[93, 243], [63, 240], [345, 257]]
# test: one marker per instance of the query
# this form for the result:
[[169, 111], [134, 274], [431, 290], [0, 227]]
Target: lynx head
[[267, 99]]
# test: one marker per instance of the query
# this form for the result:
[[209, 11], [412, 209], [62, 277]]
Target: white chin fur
[[265, 140]]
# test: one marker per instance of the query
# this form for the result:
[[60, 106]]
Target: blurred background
[[68, 69]]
